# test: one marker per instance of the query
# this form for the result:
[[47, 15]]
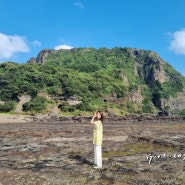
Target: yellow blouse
[[98, 133]]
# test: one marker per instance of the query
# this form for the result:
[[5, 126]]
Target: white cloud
[[36, 43], [178, 43], [63, 47], [9, 45], [79, 4]]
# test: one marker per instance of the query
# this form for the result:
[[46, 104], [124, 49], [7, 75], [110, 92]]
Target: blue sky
[[29, 26]]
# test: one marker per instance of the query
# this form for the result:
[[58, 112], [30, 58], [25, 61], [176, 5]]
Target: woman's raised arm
[[92, 120]]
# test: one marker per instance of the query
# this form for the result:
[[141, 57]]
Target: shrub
[[8, 106], [182, 112], [37, 104], [147, 108], [66, 107]]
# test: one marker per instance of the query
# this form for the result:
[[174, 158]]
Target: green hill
[[81, 80]]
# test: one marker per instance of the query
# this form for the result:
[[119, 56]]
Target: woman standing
[[97, 138]]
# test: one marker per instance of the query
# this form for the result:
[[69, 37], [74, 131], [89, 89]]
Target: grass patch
[[140, 147]]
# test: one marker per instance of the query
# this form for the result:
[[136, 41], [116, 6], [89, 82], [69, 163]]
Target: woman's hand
[[95, 114], [92, 120]]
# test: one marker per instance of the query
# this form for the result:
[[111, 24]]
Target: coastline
[[44, 118]]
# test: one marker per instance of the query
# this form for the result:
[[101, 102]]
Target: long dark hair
[[102, 116]]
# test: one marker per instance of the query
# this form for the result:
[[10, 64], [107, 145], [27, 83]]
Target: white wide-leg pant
[[97, 155]]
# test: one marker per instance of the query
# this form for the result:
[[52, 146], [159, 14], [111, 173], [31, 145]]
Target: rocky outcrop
[[136, 97], [125, 79], [161, 75], [73, 100], [176, 104], [41, 56], [2, 102], [22, 99], [147, 118], [114, 99], [158, 73]]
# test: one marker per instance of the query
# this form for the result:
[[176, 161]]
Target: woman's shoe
[[97, 167]]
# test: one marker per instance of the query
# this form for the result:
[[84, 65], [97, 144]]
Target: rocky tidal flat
[[61, 153]]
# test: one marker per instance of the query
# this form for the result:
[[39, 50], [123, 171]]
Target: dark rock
[[163, 113], [125, 170]]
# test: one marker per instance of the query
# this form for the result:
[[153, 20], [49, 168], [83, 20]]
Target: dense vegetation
[[96, 77]]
